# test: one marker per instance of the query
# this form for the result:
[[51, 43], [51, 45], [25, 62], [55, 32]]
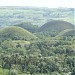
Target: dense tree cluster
[[40, 56]]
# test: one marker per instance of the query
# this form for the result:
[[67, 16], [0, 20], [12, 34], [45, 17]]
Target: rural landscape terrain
[[37, 41]]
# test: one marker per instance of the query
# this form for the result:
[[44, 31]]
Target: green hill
[[28, 26], [16, 33], [56, 25], [66, 33], [69, 33]]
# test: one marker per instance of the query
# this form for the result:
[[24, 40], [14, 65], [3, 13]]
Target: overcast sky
[[39, 3]]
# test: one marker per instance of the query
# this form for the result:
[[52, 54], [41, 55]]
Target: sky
[[39, 3]]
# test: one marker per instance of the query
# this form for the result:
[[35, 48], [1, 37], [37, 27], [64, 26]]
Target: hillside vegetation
[[54, 27], [67, 32], [28, 26], [16, 33]]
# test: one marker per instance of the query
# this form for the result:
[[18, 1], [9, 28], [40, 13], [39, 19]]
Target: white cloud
[[39, 3]]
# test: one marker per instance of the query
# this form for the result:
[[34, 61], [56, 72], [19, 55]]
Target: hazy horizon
[[39, 3]]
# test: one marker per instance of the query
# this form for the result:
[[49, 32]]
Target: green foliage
[[32, 69], [73, 72]]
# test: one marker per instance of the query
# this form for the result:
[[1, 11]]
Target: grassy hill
[[16, 33], [67, 32], [56, 25], [28, 26]]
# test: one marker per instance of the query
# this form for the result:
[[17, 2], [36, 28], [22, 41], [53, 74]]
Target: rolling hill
[[67, 32], [56, 25], [16, 33], [28, 26]]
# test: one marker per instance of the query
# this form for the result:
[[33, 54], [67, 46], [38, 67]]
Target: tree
[[73, 72], [32, 69]]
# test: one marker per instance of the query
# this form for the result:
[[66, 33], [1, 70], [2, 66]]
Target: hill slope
[[67, 32], [16, 33], [56, 25], [28, 26], [70, 32]]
